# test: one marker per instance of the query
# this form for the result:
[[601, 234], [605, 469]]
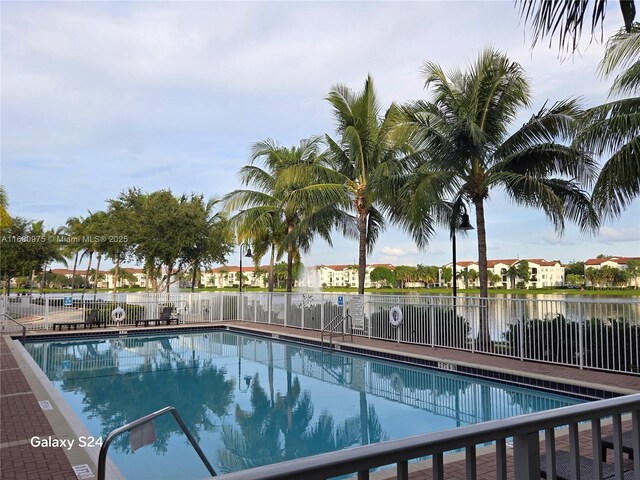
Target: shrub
[[612, 343]]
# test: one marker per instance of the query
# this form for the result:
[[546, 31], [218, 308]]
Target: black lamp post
[[244, 246], [461, 223]]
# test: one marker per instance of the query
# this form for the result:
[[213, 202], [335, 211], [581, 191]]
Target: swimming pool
[[251, 401]]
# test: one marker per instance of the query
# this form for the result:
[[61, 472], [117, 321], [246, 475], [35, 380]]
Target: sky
[[97, 97]]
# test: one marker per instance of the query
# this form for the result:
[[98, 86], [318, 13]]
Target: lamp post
[[461, 222], [247, 247]]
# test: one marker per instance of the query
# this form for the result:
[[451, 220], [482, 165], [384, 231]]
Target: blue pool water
[[251, 401]]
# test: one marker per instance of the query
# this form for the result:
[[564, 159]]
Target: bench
[[92, 320], [165, 318]]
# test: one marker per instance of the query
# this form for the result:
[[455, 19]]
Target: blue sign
[[340, 300], [68, 301]]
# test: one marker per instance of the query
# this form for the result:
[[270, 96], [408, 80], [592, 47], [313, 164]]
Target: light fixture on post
[[461, 222], [244, 246]]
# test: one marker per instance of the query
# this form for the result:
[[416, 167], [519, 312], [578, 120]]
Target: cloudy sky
[[97, 97]]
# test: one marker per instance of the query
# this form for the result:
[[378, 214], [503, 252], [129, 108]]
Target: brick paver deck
[[21, 416], [20, 419]]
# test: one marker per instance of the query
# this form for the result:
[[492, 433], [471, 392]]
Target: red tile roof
[[618, 260]]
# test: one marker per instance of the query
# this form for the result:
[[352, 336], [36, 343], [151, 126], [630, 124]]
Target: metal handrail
[[331, 327], [24, 329], [524, 429], [102, 458]]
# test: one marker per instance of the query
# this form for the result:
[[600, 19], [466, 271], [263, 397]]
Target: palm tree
[[463, 134], [613, 129], [368, 155], [5, 219], [290, 204], [73, 230], [512, 275], [566, 17]]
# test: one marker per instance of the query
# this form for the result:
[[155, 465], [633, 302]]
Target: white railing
[[599, 334]]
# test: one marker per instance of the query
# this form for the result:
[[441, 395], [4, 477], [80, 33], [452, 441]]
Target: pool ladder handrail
[[331, 327], [102, 458], [24, 329]]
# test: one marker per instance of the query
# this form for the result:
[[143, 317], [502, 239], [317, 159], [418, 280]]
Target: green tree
[[73, 232], [447, 275], [494, 278], [16, 258], [289, 205], [383, 274], [612, 130], [5, 218], [369, 150], [467, 149], [633, 272], [574, 267], [512, 275], [523, 271], [564, 18], [574, 279]]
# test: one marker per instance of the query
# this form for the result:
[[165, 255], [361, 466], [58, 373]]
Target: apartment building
[[620, 263], [543, 273]]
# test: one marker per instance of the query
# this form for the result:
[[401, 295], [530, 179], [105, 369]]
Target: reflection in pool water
[[252, 401]]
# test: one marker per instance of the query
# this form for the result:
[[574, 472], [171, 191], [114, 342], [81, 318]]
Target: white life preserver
[[396, 382], [395, 316], [118, 315]]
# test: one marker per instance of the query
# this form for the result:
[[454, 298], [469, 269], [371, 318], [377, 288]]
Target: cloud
[[613, 235], [394, 252]]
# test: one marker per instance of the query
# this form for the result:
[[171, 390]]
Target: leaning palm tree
[[290, 203], [613, 129], [368, 154], [463, 132]]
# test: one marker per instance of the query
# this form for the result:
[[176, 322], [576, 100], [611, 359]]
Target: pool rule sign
[[356, 309]]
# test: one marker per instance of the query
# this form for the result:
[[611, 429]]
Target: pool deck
[[21, 416]]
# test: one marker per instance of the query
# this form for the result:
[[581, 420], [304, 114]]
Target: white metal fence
[[600, 334]]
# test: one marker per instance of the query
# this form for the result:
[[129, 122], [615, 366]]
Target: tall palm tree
[[73, 230], [368, 155], [467, 150], [290, 205], [613, 129]]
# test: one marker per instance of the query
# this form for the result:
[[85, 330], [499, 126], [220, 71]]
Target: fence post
[[526, 456], [302, 313], [580, 335], [46, 311], [269, 301], [286, 310], [521, 332], [321, 312]]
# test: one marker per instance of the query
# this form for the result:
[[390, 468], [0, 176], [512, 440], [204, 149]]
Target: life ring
[[395, 316], [396, 382], [118, 315]]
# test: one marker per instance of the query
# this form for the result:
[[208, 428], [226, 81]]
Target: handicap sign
[[340, 300], [68, 301], [66, 364]]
